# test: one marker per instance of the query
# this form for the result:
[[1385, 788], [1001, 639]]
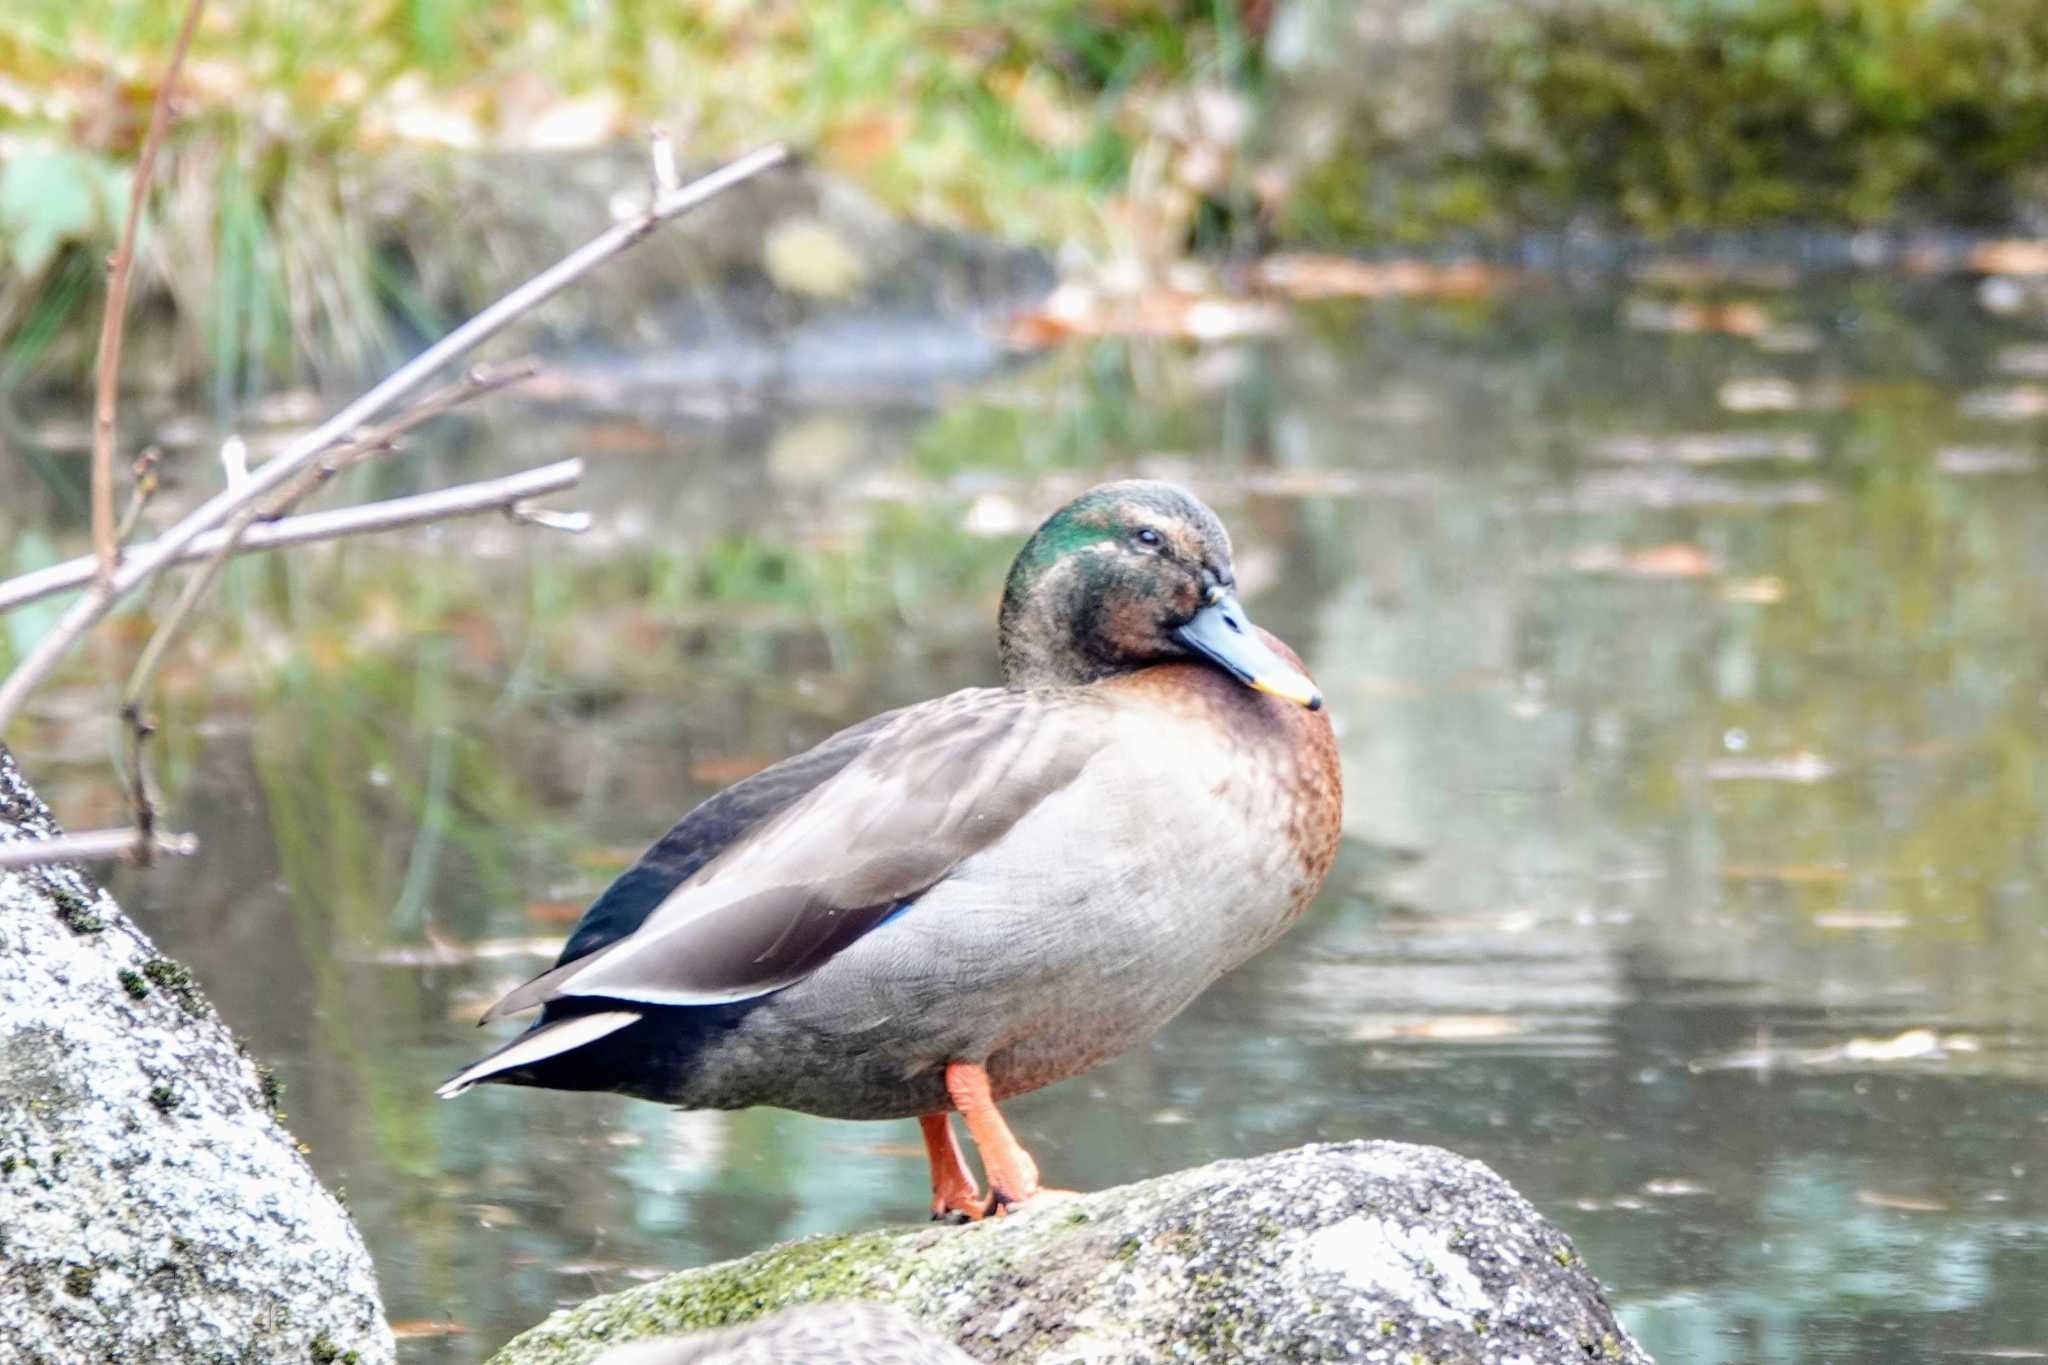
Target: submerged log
[[1365, 1251], [151, 1206]]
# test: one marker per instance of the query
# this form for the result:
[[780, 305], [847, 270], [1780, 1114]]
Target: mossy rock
[[1307, 1254]]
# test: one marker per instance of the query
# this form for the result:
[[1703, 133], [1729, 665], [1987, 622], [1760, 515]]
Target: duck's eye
[[1148, 537]]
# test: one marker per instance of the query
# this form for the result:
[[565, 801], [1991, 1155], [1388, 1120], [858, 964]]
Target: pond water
[[1688, 663]]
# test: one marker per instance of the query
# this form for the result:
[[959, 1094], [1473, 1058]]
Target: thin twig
[[506, 493], [463, 500], [114, 321], [476, 382], [139, 799], [94, 846], [140, 491], [390, 514], [142, 564]]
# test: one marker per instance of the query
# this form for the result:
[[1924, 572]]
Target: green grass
[[1017, 119]]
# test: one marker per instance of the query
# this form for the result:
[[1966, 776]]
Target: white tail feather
[[540, 1045]]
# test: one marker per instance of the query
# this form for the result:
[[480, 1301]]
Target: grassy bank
[[300, 121], [1663, 117], [289, 232]]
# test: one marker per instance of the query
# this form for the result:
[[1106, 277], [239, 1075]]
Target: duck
[[969, 898]]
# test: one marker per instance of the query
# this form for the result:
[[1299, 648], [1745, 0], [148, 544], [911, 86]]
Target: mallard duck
[[975, 896]]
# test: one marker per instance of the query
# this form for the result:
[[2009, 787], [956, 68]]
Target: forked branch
[[143, 563]]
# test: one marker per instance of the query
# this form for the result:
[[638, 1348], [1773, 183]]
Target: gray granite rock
[[1363, 1251], [847, 1332], [151, 1207]]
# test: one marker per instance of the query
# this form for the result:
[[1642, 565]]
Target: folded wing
[[930, 788]]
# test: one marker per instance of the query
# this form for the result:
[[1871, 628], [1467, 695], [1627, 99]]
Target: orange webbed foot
[[1012, 1174], [956, 1195]]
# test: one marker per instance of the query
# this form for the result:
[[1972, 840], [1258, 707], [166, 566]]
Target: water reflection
[[1691, 700]]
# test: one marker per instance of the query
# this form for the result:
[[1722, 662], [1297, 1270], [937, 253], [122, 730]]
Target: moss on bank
[[300, 121], [301, 228], [1709, 114]]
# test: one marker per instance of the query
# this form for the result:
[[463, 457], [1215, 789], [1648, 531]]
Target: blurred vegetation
[[302, 214], [1704, 114], [1019, 120]]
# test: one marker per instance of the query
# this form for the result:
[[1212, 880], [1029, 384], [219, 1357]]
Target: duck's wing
[[708, 831], [929, 787]]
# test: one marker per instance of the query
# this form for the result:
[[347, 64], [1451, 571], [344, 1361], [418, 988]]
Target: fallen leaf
[[1762, 590], [1676, 560], [555, 912], [1859, 919], [1685, 318], [418, 1329], [1903, 1203], [726, 770], [858, 143], [1447, 1028], [1305, 275], [2011, 257]]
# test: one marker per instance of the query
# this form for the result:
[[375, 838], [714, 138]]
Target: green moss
[[171, 977], [133, 983], [164, 1098], [1666, 118], [270, 1085], [323, 1351], [75, 911]]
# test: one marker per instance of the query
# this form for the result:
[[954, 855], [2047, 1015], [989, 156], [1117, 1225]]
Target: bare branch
[[114, 321], [464, 500], [392, 514], [95, 846], [139, 493], [141, 564]]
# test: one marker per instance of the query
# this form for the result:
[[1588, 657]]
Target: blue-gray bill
[[1221, 633]]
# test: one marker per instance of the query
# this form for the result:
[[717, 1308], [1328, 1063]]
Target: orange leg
[[1012, 1174], [954, 1189]]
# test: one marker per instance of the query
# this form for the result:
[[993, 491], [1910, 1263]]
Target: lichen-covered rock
[[1363, 1251], [151, 1208], [847, 1332]]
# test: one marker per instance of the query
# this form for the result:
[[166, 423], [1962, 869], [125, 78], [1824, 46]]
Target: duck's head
[[1126, 575]]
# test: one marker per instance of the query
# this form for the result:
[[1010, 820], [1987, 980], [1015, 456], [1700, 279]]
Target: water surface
[[1691, 693]]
